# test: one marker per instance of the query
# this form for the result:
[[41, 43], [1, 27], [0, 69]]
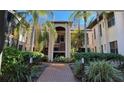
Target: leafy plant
[[13, 66], [35, 72], [59, 59], [78, 69], [98, 56], [102, 71], [36, 56], [62, 59], [44, 58]]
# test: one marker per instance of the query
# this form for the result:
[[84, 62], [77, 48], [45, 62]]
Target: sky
[[63, 15]]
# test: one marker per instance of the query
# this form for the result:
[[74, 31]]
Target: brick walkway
[[57, 72]]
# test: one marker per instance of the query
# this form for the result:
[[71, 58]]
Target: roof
[[110, 14], [61, 21], [95, 21]]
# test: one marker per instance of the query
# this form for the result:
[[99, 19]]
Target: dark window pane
[[94, 34], [114, 47], [100, 28]]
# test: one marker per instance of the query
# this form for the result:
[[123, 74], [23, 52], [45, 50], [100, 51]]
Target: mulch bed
[[39, 70], [78, 78]]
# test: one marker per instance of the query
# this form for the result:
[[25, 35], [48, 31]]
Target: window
[[100, 28], [57, 41], [62, 38], [92, 38], [95, 49], [111, 20], [94, 34], [102, 48], [114, 47], [87, 39], [56, 49]]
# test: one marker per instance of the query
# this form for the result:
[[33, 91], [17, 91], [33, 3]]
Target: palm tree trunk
[[3, 29], [85, 36], [32, 39], [32, 43], [50, 48]]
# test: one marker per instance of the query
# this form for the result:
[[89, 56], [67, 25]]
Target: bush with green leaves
[[78, 69], [59, 59], [62, 59], [13, 66], [98, 56], [102, 71], [35, 71], [44, 58], [35, 55]]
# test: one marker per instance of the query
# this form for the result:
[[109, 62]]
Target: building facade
[[107, 34], [62, 46]]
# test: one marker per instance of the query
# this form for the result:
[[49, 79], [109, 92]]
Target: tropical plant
[[37, 56], [115, 59], [50, 29], [83, 15], [63, 59], [77, 39], [102, 71], [35, 72], [78, 70], [36, 16], [13, 67], [45, 58]]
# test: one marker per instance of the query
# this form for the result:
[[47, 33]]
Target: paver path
[[57, 72]]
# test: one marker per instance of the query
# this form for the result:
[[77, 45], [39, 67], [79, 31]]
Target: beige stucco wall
[[113, 33]]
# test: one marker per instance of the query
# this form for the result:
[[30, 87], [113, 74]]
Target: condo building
[[107, 34]]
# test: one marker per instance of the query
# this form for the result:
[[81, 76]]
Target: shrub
[[98, 56], [35, 72], [101, 71], [12, 55], [16, 73], [78, 70], [36, 56], [59, 59], [44, 58], [63, 59], [13, 66]]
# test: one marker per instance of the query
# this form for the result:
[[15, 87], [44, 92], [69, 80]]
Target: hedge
[[98, 56]]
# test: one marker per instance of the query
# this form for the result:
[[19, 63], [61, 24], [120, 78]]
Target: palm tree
[[52, 36], [77, 39], [36, 14], [83, 15]]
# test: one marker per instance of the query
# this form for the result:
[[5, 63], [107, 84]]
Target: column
[[67, 42]]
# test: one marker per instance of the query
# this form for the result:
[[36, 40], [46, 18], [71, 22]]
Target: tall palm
[[36, 14], [52, 36], [77, 39], [83, 15]]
